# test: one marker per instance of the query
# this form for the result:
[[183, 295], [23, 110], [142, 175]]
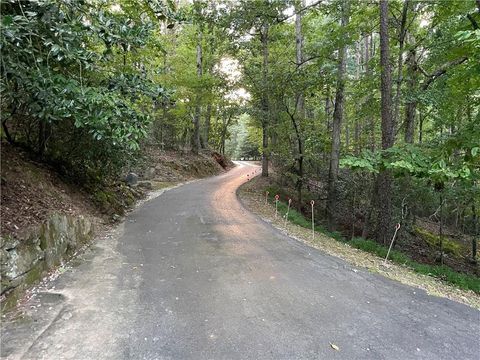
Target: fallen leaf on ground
[[335, 347]]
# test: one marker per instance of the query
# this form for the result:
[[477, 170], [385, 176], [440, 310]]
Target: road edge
[[369, 262]]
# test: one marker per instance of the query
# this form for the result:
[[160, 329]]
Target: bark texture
[[384, 178], [196, 116], [300, 106], [336, 128], [265, 102]]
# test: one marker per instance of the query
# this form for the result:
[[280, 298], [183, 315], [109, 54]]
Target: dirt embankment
[[32, 191], [174, 166]]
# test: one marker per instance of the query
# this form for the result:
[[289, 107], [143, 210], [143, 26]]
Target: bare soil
[[32, 191], [175, 166]]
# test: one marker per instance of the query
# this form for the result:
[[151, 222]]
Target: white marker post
[[313, 220], [276, 205], [397, 227], [288, 210], [266, 198]]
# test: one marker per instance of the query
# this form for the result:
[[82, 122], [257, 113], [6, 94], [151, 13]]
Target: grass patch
[[445, 273], [463, 281], [380, 250]]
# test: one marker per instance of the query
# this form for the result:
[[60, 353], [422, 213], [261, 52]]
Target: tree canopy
[[338, 91]]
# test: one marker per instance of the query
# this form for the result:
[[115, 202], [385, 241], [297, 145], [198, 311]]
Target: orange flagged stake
[[313, 220], [276, 205], [288, 210], [397, 227]]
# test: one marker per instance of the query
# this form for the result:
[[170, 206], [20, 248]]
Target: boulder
[[24, 262], [131, 179]]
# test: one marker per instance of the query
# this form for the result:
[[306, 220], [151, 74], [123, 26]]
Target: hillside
[[32, 191]]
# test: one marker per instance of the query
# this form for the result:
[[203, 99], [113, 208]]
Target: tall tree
[[369, 52], [384, 179], [402, 33], [338, 114], [300, 105], [411, 106], [264, 29], [199, 62]]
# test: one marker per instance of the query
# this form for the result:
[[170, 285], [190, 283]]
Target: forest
[[370, 108]]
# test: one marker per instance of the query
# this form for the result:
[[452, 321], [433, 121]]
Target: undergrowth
[[445, 273]]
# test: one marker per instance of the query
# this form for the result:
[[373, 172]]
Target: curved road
[[193, 275]]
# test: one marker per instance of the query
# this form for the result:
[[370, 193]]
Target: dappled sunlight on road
[[231, 219]]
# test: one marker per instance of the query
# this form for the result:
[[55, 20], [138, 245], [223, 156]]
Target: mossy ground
[[434, 241]]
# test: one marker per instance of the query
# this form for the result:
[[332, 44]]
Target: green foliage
[[436, 164], [66, 71], [369, 161]]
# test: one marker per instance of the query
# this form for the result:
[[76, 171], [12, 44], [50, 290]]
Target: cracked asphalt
[[191, 274]]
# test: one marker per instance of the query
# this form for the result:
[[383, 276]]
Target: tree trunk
[[411, 109], [265, 102], [358, 65], [208, 117], [411, 105], [475, 232], [300, 98], [327, 108], [299, 52], [401, 42], [337, 123], [420, 127], [368, 55], [347, 136], [299, 159], [196, 118], [440, 231], [384, 179]]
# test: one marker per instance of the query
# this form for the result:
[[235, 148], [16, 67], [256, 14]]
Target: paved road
[[193, 275]]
